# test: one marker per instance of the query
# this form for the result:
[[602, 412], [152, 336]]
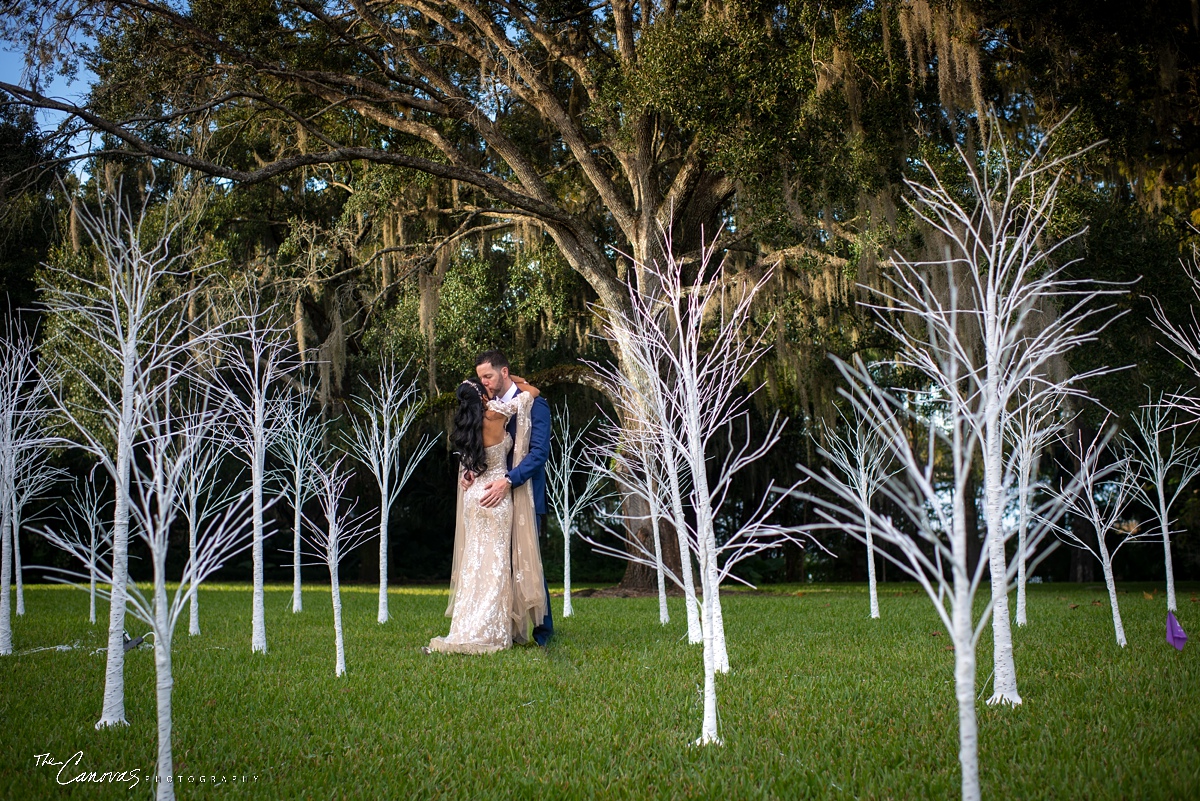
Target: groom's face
[[494, 381]]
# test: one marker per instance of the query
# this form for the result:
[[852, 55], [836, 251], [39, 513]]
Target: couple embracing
[[498, 593]]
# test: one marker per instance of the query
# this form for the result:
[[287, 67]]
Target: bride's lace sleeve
[[506, 408]]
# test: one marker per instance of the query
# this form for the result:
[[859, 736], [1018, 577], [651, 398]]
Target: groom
[[492, 368]]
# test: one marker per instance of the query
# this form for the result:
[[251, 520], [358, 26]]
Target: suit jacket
[[533, 466]]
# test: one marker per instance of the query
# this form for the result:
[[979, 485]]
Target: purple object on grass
[[1175, 635]]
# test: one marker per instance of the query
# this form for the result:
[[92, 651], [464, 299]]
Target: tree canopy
[[428, 179]]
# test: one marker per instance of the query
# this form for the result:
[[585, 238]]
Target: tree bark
[[971, 510], [793, 563]]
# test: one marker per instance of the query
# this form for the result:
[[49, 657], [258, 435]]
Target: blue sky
[[11, 65]]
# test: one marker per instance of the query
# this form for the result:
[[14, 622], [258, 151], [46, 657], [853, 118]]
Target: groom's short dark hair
[[493, 357]]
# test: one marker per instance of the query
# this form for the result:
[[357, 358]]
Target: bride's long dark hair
[[467, 436]]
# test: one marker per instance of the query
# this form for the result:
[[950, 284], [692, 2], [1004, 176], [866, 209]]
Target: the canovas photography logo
[[73, 770]]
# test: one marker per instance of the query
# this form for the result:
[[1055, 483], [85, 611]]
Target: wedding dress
[[487, 612]]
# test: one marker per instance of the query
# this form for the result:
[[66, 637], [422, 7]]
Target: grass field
[[822, 703]]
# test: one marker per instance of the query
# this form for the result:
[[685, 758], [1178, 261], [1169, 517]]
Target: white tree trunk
[[194, 604], [964, 647], [113, 712], [297, 600], [6, 645], [1170, 572], [165, 790], [964, 692], [691, 607], [685, 557], [1004, 682], [92, 589], [383, 562], [1005, 670], [871, 571], [664, 616], [340, 668], [708, 726], [568, 610], [16, 549], [1106, 561], [708, 548], [720, 654], [1164, 523], [258, 626]]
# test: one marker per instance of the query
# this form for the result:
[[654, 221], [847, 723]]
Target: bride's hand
[[467, 480]]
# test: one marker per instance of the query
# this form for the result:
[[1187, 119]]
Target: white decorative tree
[[1101, 499], [298, 445], [636, 463], [568, 467], [257, 358], [376, 439], [929, 489], [166, 447], [1161, 454], [643, 459], [333, 539], [698, 342], [861, 456], [34, 477], [20, 410], [201, 493], [87, 508], [119, 330], [931, 536], [25, 471], [981, 326], [1028, 428], [1015, 313]]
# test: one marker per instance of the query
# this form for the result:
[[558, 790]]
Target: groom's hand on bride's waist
[[494, 493]]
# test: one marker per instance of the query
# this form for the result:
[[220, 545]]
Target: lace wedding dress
[[481, 620]]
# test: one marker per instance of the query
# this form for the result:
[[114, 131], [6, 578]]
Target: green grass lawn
[[822, 702]]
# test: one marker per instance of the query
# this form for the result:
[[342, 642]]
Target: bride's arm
[[525, 386]]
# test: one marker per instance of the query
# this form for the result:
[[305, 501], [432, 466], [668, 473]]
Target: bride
[[496, 584]]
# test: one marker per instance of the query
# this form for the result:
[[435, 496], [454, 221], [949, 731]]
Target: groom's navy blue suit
[[533, 468]]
